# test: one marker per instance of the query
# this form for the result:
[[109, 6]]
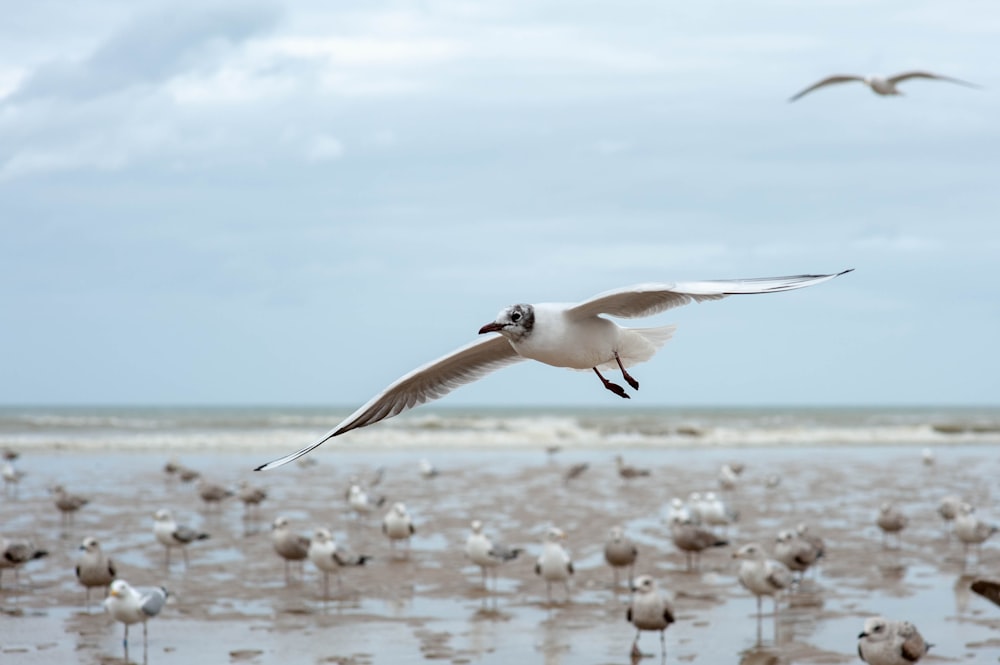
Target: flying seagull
[[880, 85], [572, 335]]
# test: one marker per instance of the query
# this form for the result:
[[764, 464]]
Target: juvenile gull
[[93, 567], [891, 520], [129, 606], [762, 576], [397, 525], [573, 336], [15, 553], [251, 497], [629, 472], [879, 85], [575, 471], [213, 494], [797, 553], [554, 564], [328, 558], [620, 552], [171, 535], [948, 510], [649, 610], [692, 539], [486, 554], [289, 545], [68, 504], [885, 642]]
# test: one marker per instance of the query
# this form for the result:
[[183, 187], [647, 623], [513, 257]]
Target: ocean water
[[267, 428]]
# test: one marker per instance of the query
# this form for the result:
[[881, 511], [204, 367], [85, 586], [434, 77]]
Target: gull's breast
[[561, 341]]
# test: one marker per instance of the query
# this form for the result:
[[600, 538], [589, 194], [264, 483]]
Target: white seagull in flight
[[880, 85], [563, 335]]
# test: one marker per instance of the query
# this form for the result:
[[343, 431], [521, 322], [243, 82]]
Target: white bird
[[485, 553], [728, 477], [289, 545], [678, 511], [129, 606], [971, 530], [620, 552], [762, 576], [885, 642], [428, 470], [879, 85], [360, 502], [715, 512], [328, 558], [649, 610], [554, 564], [574, 336], [11, 477], [171, 535], [93, 567], [397, 525]]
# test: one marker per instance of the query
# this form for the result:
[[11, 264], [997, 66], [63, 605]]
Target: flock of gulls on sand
[[574, 336], [697, 523]]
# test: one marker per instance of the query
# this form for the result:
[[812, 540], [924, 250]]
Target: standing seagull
[[170, 534], [289, 545], [93, 567], [129, 606], [692, 539], [891, 520], [68, 504], [884, 642], [326, 556], [762, 576], [487, 554], [16, 553], [572, 335], [649, 610], [397, 525], [620, 552], [554, 565], [880, 85]]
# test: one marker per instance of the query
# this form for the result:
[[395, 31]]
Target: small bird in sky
[[573, 335], [880, 85]]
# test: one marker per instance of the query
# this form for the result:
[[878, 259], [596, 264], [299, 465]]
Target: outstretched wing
[[829, 80], [648, 299], [903, 76], [424, 384]]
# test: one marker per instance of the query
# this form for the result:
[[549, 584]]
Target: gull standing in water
[[649, 610], [93, 567], [170, 534], [129, 606], [620, 552], [885, 642], [16, 553], [762, 576], [891, 520], [554, 565], [880, 85], [326, 556], [572, 335], [487, 554], [397, 525], [289, 545]]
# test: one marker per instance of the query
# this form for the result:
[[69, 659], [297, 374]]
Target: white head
[[876, 629], [514, 322], [280, 522], [162, 515], [477, 526], [750, 552], [322, 535], [555, 534], [644, 584]]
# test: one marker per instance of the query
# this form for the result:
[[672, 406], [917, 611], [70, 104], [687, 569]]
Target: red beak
[[491, 327]]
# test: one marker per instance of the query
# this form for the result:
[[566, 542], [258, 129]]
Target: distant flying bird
[[571, 335], [880, 85]]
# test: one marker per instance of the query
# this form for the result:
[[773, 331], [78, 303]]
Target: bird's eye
[[515, 317]]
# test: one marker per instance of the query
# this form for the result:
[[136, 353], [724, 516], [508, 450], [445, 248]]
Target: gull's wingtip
[[281, 461]]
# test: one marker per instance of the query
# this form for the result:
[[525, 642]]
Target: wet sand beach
[[233, 603]]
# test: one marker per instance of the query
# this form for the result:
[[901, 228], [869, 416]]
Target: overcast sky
[[296, 203]]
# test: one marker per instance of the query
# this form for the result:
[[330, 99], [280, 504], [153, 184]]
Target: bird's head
[[513, 322], [875, 629], [643, 584]]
